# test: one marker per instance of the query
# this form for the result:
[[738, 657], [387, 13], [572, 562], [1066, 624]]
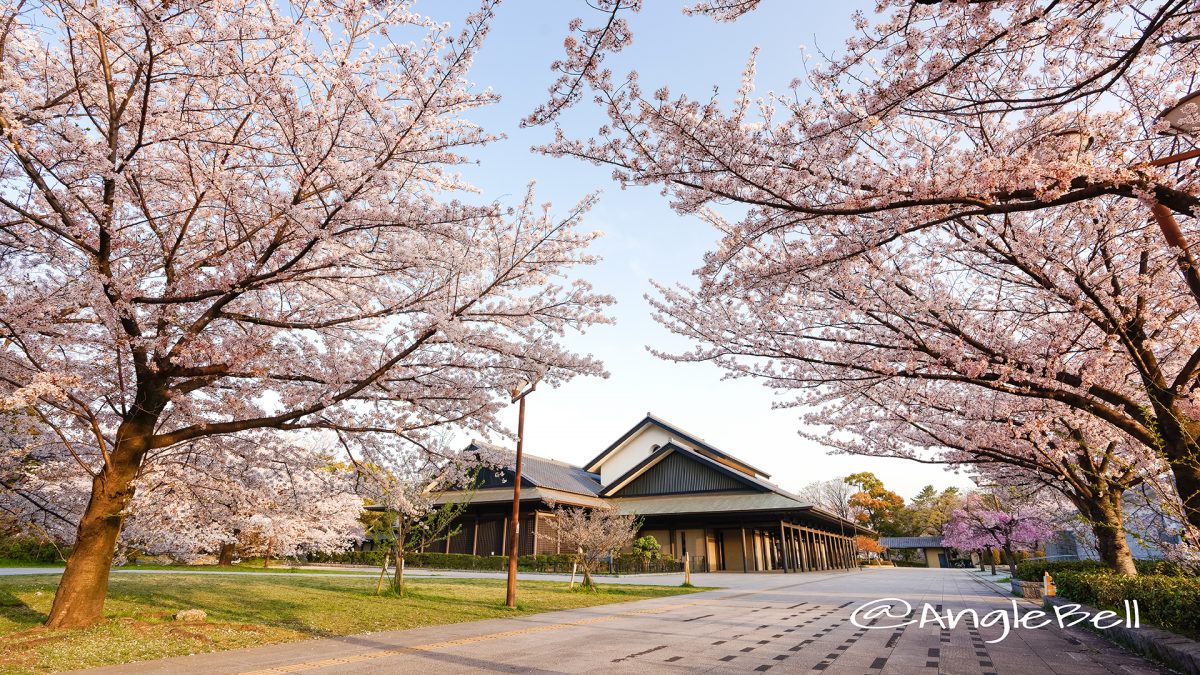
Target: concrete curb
[[1169, 648]]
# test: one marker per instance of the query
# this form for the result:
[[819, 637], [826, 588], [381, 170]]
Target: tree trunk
[[79, 600], [398, 546], [225, 558], [399, 583], [1011, 558], [267, 558], [1107, 522], [1187, 483], [1178, 435]]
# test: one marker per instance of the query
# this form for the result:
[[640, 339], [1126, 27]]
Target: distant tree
[[591, 535], [929, 511], [1003, 519], [833, 495], [868, 545], [253, 494], [878, 506]]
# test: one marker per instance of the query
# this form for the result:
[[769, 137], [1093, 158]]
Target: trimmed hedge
[[1169, 602], [453, 561], [1032, 570], [374, 558]]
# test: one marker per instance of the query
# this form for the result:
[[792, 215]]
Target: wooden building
[[692, 497]]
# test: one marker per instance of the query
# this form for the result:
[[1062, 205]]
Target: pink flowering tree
[[262, 497], [224, 217], [1005, 519], [979, 194], [421, 498], [1026, 442]]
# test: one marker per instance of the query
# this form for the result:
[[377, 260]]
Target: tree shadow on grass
[[16, 610]]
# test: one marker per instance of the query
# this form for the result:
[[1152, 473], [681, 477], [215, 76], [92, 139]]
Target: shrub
[[374, 558], [1165, 601], [647, 548], [1031, 570]]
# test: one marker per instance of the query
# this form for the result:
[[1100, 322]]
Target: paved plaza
[[795, 623]]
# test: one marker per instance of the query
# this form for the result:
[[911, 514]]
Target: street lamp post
[[519, 393]]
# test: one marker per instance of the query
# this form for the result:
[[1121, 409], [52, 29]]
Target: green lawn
[[244, 566], [11, 562], [252, 610]]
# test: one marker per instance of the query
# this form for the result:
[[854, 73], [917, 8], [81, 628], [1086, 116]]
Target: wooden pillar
[[798, 533], [475, 538], [792, 548], [707, 558], [745, 567], [783, 547]]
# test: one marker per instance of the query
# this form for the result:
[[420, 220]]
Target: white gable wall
[[635, 449]]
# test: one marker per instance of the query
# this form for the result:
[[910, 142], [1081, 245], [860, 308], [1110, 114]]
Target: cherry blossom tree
[[263, 496], [1006, 520], [593, 534], [985, 159], [224, 217], [268, 498], [1017, 441], [421, 497]]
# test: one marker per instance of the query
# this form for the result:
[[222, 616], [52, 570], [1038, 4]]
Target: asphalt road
[[761, 622]]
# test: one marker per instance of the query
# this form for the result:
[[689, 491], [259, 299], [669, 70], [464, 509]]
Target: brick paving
[[796, 623]]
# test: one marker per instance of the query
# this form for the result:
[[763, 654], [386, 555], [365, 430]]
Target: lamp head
[[521, 385], [1184, 116]]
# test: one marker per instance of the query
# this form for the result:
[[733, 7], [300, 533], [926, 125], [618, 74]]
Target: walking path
[[758, 622]]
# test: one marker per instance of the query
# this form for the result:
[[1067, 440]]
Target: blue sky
[[644, 238]]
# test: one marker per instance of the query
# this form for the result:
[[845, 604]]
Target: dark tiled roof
[[551, 474], [911, 542], [556, 475]]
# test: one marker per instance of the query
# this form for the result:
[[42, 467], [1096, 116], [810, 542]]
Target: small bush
[[1031, 570], [1165, 601]]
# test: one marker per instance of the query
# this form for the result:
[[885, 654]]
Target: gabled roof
[[547, 473], [745, 480], [675, 431]]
